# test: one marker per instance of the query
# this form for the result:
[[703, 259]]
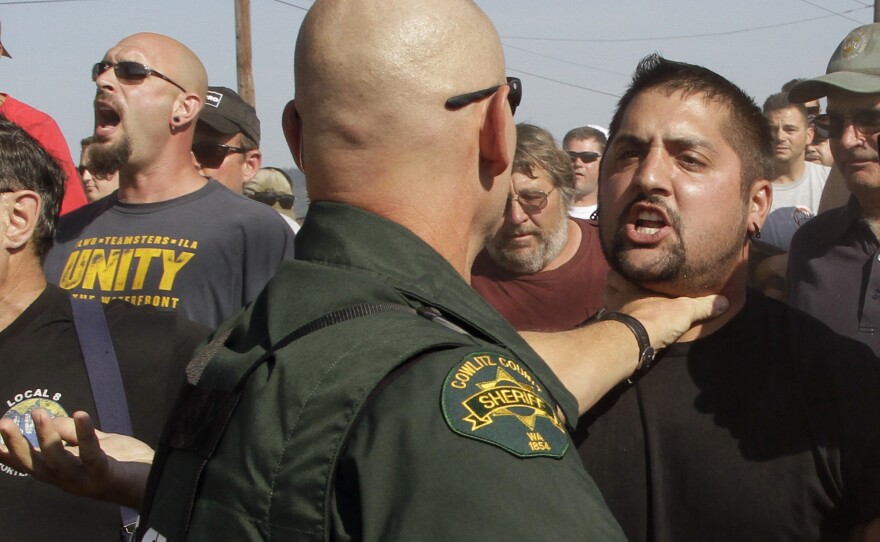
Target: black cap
[[227, 113]]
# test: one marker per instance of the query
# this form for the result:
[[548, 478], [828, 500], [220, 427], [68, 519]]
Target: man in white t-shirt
[[797, 184], [585, 145], [797, 190]]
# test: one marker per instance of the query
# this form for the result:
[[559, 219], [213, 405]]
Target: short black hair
[[746, 128], [25, 165], [779, 102]]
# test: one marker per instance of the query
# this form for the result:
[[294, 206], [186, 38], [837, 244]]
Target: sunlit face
[[586, 174], [855, 148], [96, 186], [131, 113], [672, 215], [791, 134], [528, 241]]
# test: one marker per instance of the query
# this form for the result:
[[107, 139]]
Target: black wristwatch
[[646, 351]]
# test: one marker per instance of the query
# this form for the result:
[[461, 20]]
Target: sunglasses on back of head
[[514, 97], [269, 198]]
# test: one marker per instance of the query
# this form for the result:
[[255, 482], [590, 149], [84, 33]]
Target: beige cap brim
[[818, 87]]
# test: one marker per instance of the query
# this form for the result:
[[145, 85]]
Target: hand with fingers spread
[[79, 459]]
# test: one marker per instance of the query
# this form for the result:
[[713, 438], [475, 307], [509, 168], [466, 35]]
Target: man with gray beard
[[543, 270], [168, 237]]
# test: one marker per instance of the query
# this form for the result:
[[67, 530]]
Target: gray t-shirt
[[793, 204], [205, 254]]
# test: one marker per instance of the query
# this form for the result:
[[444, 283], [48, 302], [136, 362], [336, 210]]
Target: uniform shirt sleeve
[[405, 475]]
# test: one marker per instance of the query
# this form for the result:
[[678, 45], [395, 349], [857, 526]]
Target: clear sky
[[574, 56]]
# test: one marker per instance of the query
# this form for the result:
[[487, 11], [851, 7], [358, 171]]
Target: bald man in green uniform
[[369, 393]]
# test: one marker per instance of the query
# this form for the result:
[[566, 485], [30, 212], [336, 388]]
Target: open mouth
[[106, 119], [649, 222]]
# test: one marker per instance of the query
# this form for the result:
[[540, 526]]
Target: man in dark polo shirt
[[834, 265]]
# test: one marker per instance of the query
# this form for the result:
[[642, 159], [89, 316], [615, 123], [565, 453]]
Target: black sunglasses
[[866, 121], [586, 156], [513, 97], [212, 154], [133, 71], [269, 198]]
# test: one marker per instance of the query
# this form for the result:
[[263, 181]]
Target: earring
[[175, 119], [757, 230]]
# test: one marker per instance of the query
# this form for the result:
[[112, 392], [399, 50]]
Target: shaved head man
[[369, 386], [168, 237]]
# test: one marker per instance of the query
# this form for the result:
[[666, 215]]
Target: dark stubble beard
[[105, 159], [676, 265]]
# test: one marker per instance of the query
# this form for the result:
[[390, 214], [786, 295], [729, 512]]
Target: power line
[[509, 46], [42, 2], [563, 83], [291, 5], [823, 8], [663, 38]]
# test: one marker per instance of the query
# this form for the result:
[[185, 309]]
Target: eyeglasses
[[530, 200], [866, 121], [133, 71], [513, 97], [211, 155], [586, 156], [269, 198]]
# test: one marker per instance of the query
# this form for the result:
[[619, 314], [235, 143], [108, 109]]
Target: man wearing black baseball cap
[[227, 139], [834, 270]]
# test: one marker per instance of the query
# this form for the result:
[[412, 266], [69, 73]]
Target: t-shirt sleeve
[[267, 246]]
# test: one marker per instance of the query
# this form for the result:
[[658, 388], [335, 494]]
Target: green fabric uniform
[[390, 426]]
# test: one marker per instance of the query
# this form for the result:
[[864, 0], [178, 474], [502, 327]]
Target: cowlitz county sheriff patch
[[493, 398]]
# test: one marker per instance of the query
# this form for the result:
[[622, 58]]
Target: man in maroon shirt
[[543, 270]]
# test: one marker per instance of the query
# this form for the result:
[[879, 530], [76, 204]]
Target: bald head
[[374, 75], [167, 56]]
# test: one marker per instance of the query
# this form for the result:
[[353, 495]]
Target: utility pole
[[243, 50], [877, 11]]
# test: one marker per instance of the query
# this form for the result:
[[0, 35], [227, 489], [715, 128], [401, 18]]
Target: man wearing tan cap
[[274, 187], [834, 264]]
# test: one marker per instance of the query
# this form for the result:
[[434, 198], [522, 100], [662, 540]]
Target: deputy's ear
[[23, 211], [495, 133], [291, 125]]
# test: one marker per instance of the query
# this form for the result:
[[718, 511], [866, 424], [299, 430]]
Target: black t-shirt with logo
[[43, 367]]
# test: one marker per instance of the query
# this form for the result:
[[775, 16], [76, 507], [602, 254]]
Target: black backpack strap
[[105, 379], [203, 412]]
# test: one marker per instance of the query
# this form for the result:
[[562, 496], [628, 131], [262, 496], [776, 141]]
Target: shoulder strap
[[102, 368], [204, 410]]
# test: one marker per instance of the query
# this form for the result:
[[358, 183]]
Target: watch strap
[[646, 351]]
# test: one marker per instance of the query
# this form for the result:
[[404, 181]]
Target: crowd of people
[[663, 330]]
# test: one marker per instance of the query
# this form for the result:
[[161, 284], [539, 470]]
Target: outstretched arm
[[593, 359], [77, 458]]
